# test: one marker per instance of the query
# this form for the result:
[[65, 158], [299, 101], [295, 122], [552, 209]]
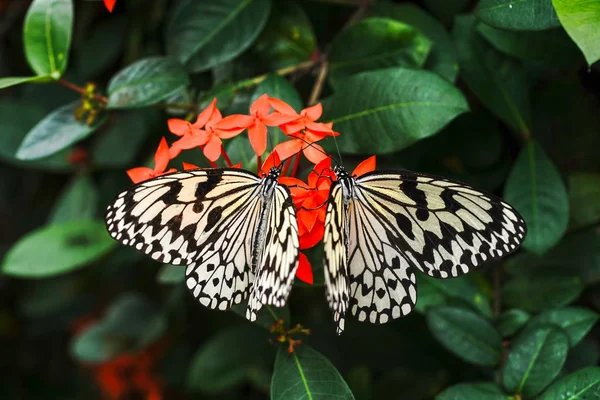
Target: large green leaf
[[47, 36], [580, 385], [466, 334], [306, 374], [584, 192], [552, 47], [55, 132], [518, 15], [511, 321], [472, 391], [146, 82], [536, 190], [376, 43], [575, 321], [462, 288], [230, 358], [57, 248], [535, 359], [497, 80], [288, 38], [535, 293], [442, 56], [396, 106], [78, 201], [581, 20], [17, 80], [204, 34]]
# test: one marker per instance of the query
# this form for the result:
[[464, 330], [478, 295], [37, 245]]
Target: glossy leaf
[[575, 321], [77, 202], [146, 82], [511, 321], [397, 106], [580, 385], [472, 391], [306, 374], [518, 15], [534, 360], [17, 80], [376, 43], [462, 288], [57, 248], [536, 190], [466, 334], [230, 358], [288, 37], [55, 132], [581, 20], [542, 292], [442, 56], [497, 80], [47, 36], [549, 47], [584, 192], [207, 33]]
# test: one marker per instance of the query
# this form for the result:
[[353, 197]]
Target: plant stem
[[286, 167], [319, 83], [258, 164], [81, 90], [296, 164], [226, 157]]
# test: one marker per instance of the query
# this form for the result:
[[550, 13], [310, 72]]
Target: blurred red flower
[[161, 160]]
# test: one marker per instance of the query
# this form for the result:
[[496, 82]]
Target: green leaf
[[497, 80], [146, 82], [376, 43], [442, 57], [466, 334], [472, 391], [119, 143], [534, 360], [17, 80], [581, 20], [170, 274], [542, 292], [462, 288], [580, 385], [575, 321], [130, 324], [288, 38], [57, 131], [396, 106], [584, 191], [535, 188], [230, 358], [518, 15], [77, 202], [511, 321], [57, 248], [552, 47], [306, 374], [447, 9], [47, 36], [207, 33]]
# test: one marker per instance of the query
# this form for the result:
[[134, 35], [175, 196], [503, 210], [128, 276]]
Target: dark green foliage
[[499, 94]]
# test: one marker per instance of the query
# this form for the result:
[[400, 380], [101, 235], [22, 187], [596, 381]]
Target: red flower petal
[[235, 121], [288, 148], [206, 114], [282, 107], [110, 5], [238, 165], [188, 166], [315, 153], [228, 134], [179, 127], [272, 160], [323, 168], [261, 106], [313, 237], [189, 142], [304, 271], [277, 119], [257, 134], [367, 165], [313, 113], [161, 157], [212, 150], [308, 217], [293, 128], [140, 174]]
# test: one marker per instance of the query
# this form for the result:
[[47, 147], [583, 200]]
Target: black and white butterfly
[[382, 226], [236, 233]]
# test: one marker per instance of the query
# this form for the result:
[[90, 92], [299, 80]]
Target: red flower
[[365, 166], [304, 271], [109, 4], [256, 123], [161, 160]]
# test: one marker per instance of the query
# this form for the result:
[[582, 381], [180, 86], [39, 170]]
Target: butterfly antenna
[[311, 144], [338, 151]]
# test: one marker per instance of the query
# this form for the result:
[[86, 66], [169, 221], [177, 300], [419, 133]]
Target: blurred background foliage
[[500, 94]]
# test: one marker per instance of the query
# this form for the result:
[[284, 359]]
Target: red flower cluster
[[210, 129]]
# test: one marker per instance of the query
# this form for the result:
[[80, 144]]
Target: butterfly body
[[384, 225], [235, 232]]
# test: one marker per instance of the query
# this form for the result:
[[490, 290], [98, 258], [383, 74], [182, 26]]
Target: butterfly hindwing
[[276, 266]]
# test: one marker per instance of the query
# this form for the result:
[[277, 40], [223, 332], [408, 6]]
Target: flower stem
[[286, 167], [319, 83], [258, 163], [296, 164], [81, 90], [226, 157]]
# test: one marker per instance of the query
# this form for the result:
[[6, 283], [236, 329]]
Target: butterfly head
[[340, 172], [274, 172]]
